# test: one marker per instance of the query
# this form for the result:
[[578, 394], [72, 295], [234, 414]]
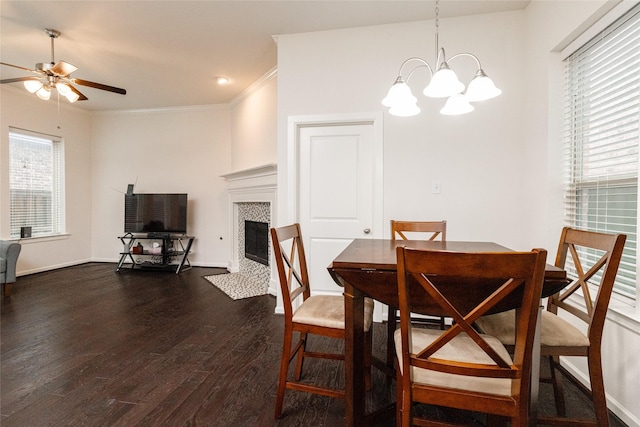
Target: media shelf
[[171, 252]]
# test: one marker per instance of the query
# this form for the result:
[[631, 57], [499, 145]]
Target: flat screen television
[[155, 213]]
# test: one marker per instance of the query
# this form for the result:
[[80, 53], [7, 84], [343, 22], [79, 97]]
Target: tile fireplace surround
[[252, 196]]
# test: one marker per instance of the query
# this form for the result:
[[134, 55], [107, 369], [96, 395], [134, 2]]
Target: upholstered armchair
[[9, 252]]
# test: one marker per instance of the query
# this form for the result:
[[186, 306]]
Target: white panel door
[[336, 200]]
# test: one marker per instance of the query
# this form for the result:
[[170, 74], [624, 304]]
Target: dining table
[[368, 268]]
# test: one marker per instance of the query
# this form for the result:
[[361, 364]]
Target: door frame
[[291, 181]]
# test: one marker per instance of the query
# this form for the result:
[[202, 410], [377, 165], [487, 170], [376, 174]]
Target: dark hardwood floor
[[86, 346]]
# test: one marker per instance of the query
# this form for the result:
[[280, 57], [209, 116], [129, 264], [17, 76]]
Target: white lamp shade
[[32, 85], [456, 105], [72, 96], [444, 83], [63, 89], [399, 94], [406, 110], [481, 88], [44, 93]]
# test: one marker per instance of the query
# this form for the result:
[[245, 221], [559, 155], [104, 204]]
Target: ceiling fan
[[56, 75]]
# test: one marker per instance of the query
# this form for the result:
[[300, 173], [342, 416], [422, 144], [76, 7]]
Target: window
[[36, 183], [602, 123]]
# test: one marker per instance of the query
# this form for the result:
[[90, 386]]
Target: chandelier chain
[[437, 52]]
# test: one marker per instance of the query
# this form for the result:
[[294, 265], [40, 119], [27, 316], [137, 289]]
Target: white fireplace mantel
[[255, 185], [254, 178]]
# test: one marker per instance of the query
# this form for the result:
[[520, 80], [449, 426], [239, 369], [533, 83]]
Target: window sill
[[40, 239], [621, 311], [624, 314]]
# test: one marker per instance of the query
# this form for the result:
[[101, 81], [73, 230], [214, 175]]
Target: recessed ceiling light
[[222, 80]]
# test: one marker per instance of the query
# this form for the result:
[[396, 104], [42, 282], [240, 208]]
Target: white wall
[[181, 150], [21, 109], [254, 125]]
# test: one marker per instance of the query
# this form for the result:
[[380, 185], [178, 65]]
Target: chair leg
[[556, 381], [368, 358], [301, 351], [6, 289], [284, 368], [597, 390], [391, 329], [399, 403]]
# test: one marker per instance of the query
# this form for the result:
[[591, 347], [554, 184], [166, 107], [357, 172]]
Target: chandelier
[[443, 83]]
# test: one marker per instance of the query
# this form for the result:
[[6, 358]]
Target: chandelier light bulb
[[72, 96], [481, 88], [456, 105], [32, 85], [399, 94], [406, 110], [63, 89], [444, 83], [44, 93]]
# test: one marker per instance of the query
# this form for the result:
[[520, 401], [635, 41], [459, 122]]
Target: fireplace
[[252, 198], [256, 241]]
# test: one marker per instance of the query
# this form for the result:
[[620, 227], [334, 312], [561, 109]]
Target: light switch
[[435, 187]]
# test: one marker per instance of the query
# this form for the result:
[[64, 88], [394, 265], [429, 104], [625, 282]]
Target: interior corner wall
[[26, 111], [177, 150], [254, 127]]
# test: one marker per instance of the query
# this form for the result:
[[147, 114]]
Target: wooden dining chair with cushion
[[413, 230], [458, 367], [594, 257], [307, 315]]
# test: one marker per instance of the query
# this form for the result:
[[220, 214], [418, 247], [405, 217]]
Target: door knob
[[367, 230]]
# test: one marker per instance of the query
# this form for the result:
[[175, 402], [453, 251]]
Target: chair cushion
[[462, 349], [554, 331], [328, 311]]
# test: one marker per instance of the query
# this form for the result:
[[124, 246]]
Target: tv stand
[[171, 252]]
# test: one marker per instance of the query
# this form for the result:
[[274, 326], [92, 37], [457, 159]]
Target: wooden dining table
[[367, 267]]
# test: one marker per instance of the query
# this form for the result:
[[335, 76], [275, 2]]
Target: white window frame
[[46, 218], [628, 178]]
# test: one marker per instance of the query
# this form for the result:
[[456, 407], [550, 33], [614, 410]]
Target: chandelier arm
[[467, 54], [415, 58]]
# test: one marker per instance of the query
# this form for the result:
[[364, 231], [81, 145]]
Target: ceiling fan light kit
[[56, 75], [443, 83]]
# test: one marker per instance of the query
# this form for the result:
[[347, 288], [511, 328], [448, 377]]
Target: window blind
[[602, 121], [36, 165]]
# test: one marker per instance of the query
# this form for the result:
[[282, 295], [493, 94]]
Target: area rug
[[237, 285]]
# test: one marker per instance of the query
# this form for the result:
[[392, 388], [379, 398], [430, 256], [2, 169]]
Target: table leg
[[354, 356]]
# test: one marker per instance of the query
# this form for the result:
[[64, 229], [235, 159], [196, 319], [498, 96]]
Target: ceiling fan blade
[[62, 68], [21, 68], [98, 86], [18, 79], [77, 92]]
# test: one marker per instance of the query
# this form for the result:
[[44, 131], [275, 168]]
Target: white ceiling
[[167, 53]]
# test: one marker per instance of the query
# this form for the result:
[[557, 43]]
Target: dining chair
[[413, 230], [459, 367], [595, 258], [308, 314]]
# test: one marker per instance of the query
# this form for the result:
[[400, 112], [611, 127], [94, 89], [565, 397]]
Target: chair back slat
[[433, 229], [291, 265], [595, 257]]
